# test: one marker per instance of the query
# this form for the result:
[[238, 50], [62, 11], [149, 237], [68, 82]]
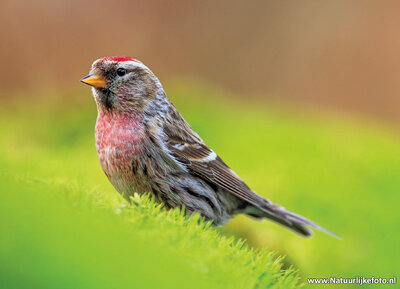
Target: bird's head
[[122, 84]]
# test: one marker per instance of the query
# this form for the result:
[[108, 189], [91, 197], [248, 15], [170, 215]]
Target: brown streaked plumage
[[145, 146]]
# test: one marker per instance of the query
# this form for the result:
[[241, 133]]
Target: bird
[[145, 146]]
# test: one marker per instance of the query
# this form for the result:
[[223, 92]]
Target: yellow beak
[[94, 80]]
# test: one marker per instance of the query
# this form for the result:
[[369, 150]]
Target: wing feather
[[200, 160]]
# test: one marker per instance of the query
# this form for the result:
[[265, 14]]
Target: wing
[[189, 149]]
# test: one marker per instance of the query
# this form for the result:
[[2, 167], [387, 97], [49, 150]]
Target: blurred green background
[[300, 99]]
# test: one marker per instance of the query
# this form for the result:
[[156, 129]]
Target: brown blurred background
[[340, 54]]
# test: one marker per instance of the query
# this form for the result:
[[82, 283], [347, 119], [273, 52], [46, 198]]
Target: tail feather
[[286, 218], [301, 220]]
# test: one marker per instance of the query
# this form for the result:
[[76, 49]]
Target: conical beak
[[94, 80]]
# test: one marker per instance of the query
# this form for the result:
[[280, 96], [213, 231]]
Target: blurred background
[[311, 86], [340, 54]]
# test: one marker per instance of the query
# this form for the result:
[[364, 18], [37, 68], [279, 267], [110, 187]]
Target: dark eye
[[121, 71]]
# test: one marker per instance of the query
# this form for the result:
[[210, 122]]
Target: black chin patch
[[105, 98]]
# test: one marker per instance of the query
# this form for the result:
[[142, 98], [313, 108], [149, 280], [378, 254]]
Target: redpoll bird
[[144, 145]]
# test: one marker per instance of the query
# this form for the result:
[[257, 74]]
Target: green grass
[[64, 226], [54, 238]]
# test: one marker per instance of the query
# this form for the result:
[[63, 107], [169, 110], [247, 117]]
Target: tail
[[286, 218]]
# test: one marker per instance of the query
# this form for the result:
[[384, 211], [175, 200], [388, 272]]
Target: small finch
[[144, 145]]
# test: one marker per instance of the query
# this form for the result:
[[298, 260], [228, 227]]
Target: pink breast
[[119, 139]]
